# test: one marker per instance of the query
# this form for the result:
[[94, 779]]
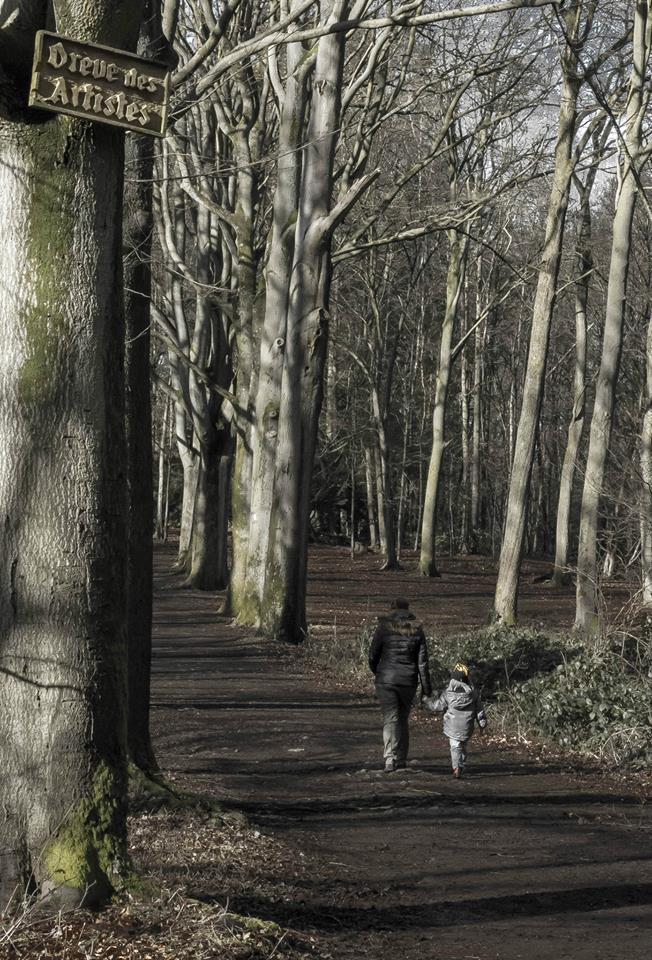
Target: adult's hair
[[400, 604]]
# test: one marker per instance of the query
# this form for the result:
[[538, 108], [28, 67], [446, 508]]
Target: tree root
[[150, 792]]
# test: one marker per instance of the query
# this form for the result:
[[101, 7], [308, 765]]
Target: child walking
[[461, 705]]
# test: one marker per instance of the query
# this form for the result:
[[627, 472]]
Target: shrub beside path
[[521, 859]]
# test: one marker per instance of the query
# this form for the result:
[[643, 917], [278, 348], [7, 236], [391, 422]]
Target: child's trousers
[[458, 753]]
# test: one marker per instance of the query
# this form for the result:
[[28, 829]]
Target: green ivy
[[596, 703]]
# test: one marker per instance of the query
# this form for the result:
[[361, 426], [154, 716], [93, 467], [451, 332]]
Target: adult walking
[[398, 656]]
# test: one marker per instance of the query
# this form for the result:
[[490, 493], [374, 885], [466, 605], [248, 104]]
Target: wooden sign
[[99, 84]]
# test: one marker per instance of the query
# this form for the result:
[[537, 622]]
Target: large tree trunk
[[244, 324], [284, 599], [294, 338], [63, 698], [248, 585], [517, 502], [454, 284], [586, 611]]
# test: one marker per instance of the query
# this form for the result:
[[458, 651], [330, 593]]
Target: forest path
[[518, 860]]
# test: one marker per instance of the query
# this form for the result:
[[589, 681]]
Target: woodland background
[[384, 283], [479, 165]]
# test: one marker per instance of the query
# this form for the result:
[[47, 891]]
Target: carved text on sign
[[98, 83]]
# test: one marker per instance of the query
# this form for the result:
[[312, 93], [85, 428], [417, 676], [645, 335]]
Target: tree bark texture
[[63, 657], [248, 584], [512, 546], [246, 148]]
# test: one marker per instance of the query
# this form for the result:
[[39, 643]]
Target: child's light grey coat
[[460, 702]]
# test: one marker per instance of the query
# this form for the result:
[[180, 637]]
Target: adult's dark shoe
[[400, 765], [457, 773]]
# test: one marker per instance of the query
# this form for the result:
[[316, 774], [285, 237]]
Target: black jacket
[[398, 654]]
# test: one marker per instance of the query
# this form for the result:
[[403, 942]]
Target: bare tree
[[632, 156], [577, 30]]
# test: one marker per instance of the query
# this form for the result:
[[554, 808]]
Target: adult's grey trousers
[[396, 703]]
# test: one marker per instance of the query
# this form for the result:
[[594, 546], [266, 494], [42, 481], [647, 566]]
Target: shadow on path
[[445, 913]]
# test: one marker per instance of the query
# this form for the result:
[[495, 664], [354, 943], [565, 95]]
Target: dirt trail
[[519, 860]]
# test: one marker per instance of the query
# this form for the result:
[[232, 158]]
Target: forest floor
[[523, 858], [526, 857]]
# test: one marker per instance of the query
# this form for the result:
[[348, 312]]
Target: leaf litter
[[189, 863]]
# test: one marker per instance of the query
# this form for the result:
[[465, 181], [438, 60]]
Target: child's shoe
[[457, 773], [390, 765]]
